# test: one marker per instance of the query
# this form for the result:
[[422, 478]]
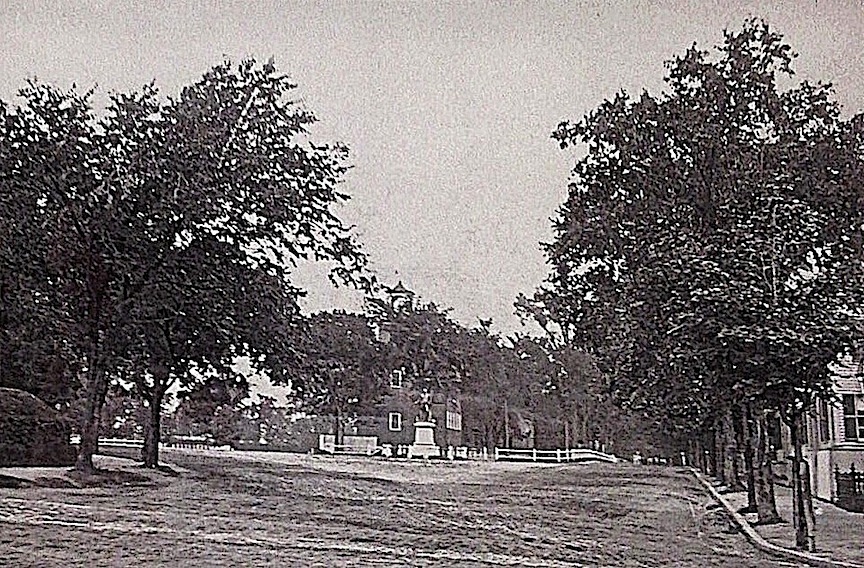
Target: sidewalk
[[839, 533]]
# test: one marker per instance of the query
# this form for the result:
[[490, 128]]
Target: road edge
[[756, 539]]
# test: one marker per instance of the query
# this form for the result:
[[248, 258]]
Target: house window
[[396, 379], [453, 420], [394, 422], [853, 417], [824, 421]]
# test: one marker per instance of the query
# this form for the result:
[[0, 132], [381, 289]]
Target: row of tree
[[709, 255], [157, 236], [509, 387], [150, 244]]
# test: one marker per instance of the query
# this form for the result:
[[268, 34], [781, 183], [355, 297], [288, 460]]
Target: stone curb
[[756, 539]]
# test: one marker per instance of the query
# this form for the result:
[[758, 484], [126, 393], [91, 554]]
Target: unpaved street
[[289, 510]]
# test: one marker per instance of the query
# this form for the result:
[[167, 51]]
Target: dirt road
[[289, 510]]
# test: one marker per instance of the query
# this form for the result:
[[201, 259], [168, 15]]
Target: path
[[340, 512], [839, 533]]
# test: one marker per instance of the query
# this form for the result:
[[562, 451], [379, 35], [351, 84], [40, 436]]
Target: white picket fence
[[352, 445], [362, 445], [554, 456], [120, 443], [139, 444]]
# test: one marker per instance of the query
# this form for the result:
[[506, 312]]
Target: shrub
[[31, 432]]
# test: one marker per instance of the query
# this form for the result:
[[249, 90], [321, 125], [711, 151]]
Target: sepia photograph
[[432, 283]]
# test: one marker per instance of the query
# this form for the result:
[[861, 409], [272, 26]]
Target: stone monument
[[424, 432]]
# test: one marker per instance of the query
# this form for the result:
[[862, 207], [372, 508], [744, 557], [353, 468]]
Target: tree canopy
[[712, 233], [170, 225], [709, 252]]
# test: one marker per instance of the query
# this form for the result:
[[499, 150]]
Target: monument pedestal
[[424, 441]]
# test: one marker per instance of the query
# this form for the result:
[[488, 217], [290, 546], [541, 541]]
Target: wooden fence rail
[[555, 456]]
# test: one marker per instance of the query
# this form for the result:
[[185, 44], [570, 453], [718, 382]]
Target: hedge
[[31, 432]]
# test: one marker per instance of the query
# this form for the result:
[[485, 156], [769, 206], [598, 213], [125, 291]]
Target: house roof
[[400, 289]]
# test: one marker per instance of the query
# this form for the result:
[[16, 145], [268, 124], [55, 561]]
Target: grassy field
[[252, 509]]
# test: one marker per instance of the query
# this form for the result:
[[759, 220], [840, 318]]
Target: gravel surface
[[260, 509]]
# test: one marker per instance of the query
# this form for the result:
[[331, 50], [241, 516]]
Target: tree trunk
[[808, 502], [710, 456], [97, 389], [578, 425], [506, 426], [744, 436], [153, 432], [731, 461], [803, 531], [766, 506], [719, 452], [337, 423], [585, 425], [693, 454], [97, 381], [702, 456]]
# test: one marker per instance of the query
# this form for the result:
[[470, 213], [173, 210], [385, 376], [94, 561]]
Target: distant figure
[[637, 458]]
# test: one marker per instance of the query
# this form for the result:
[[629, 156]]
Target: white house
[[834, 436]]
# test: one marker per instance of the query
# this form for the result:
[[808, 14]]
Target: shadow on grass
[[162, 468], [108, 478], [9, 482]]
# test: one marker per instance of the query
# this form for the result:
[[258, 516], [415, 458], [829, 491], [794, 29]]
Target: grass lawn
[[259, 509]]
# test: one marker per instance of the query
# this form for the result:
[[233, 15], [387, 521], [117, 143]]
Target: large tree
[[709, 251], [205, 314], [156, 182], [213, 407], [341, 367]]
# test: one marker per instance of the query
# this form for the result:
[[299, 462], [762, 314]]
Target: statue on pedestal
[[424, 430], [426, 405]]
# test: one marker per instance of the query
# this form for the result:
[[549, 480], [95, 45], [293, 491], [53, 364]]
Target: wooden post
[[506, 426], [534, 453]]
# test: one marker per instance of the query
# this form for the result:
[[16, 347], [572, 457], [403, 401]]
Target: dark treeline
[[157, 237], [709, 255]]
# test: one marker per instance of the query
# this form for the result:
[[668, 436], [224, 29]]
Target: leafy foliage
[[707, 247], [212, 407], [170, 226], [710, 251], [340, 365]]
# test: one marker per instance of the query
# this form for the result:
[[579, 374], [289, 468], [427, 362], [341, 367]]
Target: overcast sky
[[447, 107]]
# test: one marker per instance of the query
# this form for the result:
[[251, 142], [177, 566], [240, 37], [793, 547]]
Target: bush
[[32, 433]]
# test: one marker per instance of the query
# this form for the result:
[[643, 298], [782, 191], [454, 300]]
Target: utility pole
[[506, 426]]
